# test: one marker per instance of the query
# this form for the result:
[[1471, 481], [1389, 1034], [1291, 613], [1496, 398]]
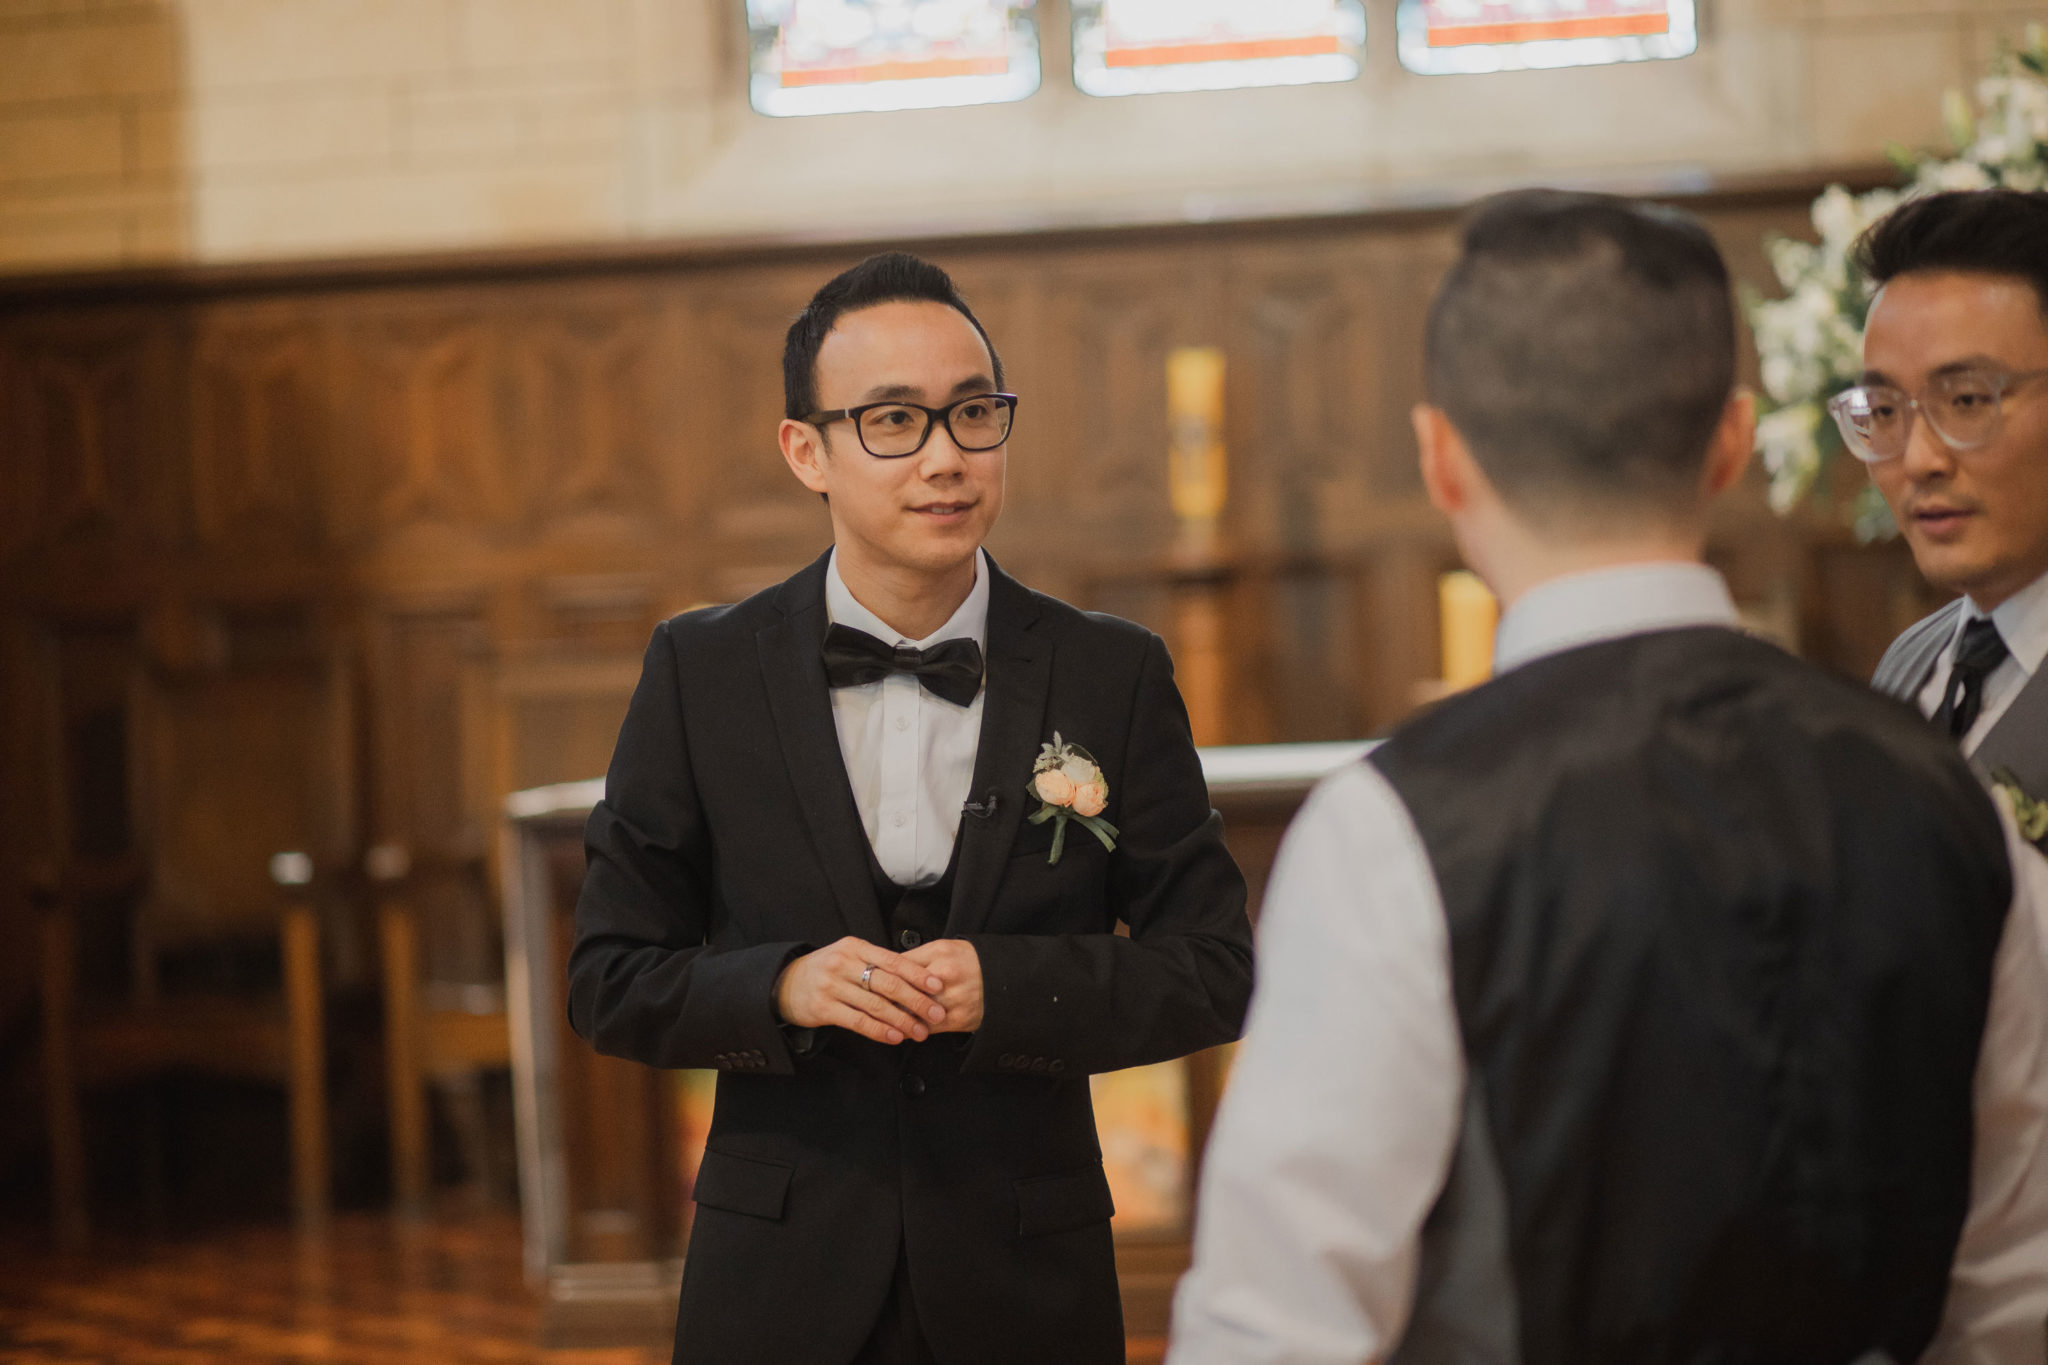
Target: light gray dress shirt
[[2022, 622], [909, 754], [1337, 1131]]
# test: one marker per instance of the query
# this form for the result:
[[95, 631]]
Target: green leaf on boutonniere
[[2030, 814]]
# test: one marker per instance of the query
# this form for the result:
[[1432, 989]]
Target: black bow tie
[[950, 669]]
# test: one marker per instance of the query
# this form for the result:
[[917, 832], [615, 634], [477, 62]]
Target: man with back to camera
[[1952, 418], [1640, 1004], [864, 845]]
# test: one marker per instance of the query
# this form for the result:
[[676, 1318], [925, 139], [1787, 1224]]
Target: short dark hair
[[1978, 232], [1584, 347], [887, 278]]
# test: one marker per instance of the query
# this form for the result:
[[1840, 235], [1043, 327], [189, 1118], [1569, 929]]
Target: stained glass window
[[847, 56], [1447, 36], [1143, 47]]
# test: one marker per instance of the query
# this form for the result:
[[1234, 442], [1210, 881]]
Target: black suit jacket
[[728, 842]]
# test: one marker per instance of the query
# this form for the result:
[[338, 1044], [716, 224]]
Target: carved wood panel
[[583, 416], [92, 431], [261, 427], [1110, 319], [1306, 389], [423, 425], [761, 523]]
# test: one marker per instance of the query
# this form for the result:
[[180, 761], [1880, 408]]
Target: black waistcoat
[[914, 914], [1721, 934]]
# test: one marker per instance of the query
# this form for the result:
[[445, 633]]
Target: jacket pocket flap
[[742, 1184], [1062, 1203]]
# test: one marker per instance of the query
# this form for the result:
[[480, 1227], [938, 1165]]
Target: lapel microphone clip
[[982, 810]]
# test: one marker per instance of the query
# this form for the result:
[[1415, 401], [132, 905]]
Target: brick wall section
[[221, 130]]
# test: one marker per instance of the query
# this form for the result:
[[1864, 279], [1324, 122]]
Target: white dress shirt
[[909, 754], [2022, 622], [1338, 1129]]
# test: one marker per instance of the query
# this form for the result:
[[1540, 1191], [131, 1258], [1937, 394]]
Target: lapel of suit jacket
[[793, 666], [1012, 726], [2019, 742], [1910, 662]]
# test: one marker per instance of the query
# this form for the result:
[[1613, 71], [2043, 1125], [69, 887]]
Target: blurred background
[[374, 374]]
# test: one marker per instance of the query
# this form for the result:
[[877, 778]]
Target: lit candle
[[1468, 614], [1196, 478]]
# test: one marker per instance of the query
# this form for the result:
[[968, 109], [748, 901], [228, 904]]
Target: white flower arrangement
[[1810, 342]]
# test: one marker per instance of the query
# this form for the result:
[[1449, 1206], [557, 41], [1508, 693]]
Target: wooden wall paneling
[[95, 427], [1032, 539], [1312, 667], [1309, 391], [1306, 386], [759, 524], [582, 371], [426, 746], [1855, 599], [1410, 265], [1399, 614], [1111, 316], [25, 496], [423, 442], [25, 839], [261, 427]]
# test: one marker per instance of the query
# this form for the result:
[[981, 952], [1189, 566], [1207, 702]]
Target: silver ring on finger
[[867, 972]]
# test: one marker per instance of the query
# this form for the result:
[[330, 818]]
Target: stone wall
[[230, 130]]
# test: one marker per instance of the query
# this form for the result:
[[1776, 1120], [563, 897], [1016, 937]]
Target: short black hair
[[1584, 347], [1978, 232], [887, 278]]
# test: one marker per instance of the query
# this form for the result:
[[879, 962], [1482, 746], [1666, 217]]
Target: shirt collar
[[1606, 604], [969, 622], [2022, 621]]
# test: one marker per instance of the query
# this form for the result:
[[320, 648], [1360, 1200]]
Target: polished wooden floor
[[375, 1292]]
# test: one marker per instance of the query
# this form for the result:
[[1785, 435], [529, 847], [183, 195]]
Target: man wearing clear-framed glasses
[[832, 861], [1952, 419]]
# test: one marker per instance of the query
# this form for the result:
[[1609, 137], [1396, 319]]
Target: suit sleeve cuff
[[739, 987]]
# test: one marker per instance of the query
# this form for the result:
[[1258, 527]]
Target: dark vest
[[1721, 935], [914, 914]]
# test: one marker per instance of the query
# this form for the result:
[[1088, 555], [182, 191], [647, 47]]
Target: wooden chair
[[154, 1033], [220, 757], [435, 1034]]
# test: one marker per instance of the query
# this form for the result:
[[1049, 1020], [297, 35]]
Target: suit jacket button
[[913, 1086], [1056, 1066], [909, 938], [1007, 1061]]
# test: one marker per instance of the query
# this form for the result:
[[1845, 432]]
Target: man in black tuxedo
[[814, 869], [1952, 418]]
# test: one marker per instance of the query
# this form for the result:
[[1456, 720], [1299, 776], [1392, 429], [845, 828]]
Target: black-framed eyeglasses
[[892, 430], [1963, 407]]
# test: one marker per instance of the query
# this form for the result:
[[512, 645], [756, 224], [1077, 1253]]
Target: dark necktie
[[1981, 651], [950, 669]]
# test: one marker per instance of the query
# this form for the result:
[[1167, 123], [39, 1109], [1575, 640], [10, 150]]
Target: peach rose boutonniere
[[1069, 786]]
